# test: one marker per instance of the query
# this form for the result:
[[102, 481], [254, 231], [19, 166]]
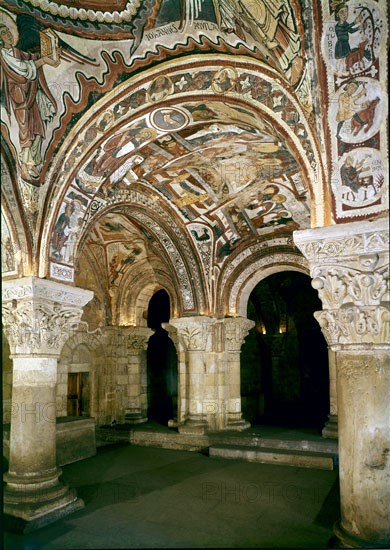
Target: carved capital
[[349, 264], [355, 325], [194, 333], [40, 315], [137, 339], [236, 330]]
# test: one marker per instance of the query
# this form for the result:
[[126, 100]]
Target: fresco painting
[[206, 157], [30, 103], [8, 253], [352, 43], [115, 241], [67, 227]]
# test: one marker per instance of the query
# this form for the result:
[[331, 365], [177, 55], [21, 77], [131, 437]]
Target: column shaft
[[38, 317]]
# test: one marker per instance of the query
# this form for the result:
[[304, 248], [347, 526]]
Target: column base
[[135, 417], [193, 427], [238, 425], [346, 540], [32, 501], [23, 517], [330, 430]]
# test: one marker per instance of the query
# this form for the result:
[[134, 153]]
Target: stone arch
[[299, 134], [243, 279], [138, 290], [179, 259], [92, 342]]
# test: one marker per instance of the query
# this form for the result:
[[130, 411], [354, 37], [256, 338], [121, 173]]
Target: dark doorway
[[162, 363], [284, 360], [78, 394]]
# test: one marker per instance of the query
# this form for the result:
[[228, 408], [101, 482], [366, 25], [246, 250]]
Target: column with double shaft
[[236, 330], [39, 315], [349, 266], [196, 356]]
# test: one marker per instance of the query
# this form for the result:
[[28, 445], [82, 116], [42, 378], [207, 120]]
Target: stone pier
[[38, 317], [349, 265]]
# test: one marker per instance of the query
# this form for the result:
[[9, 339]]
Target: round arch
[[244, 273], [299, 136], [178, 258], [250, 283], [133, 301]]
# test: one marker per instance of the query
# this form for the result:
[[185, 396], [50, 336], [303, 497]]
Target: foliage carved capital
[[349, 265], [39, 315], [236, 330]]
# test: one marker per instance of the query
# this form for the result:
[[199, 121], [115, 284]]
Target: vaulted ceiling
[[184, 143]]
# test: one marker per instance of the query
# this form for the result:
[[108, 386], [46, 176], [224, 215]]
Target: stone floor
[[142, 497]]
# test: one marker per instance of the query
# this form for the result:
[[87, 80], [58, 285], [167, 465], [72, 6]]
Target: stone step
[[284, 457]]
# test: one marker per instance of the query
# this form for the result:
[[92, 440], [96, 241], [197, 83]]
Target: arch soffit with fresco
[[173, 260], [15, 243], [77, 151]]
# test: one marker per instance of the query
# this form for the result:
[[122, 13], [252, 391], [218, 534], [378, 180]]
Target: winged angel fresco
[[25, 48]]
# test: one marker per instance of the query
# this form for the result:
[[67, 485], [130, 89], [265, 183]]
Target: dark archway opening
[[161, 363], [284, 360]]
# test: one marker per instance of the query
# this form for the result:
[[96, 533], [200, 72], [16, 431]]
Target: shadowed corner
[[330, 512]]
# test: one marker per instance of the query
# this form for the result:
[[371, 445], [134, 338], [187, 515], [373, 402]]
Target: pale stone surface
[[209, 358], [349, 265], [300, 459], [331, 426], [38, 316]]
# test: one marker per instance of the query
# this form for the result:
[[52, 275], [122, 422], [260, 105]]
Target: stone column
[[236, 329], [330, 429], [349, 266], [38, 317], [195, 341], [137, 340]]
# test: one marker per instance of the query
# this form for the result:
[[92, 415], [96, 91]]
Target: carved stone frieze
[[39, 315], [356, 240]]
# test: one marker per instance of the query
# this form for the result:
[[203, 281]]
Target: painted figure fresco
[[273, 23], [350, 172], [225, 80], [349, 107], [169, 119], [113, 159], [272, 27], [8, 261], [27, 94], [358, 114], [361, 176], [65, 230], [62, 230], [160, 88], [343, 29], [353, 37]]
